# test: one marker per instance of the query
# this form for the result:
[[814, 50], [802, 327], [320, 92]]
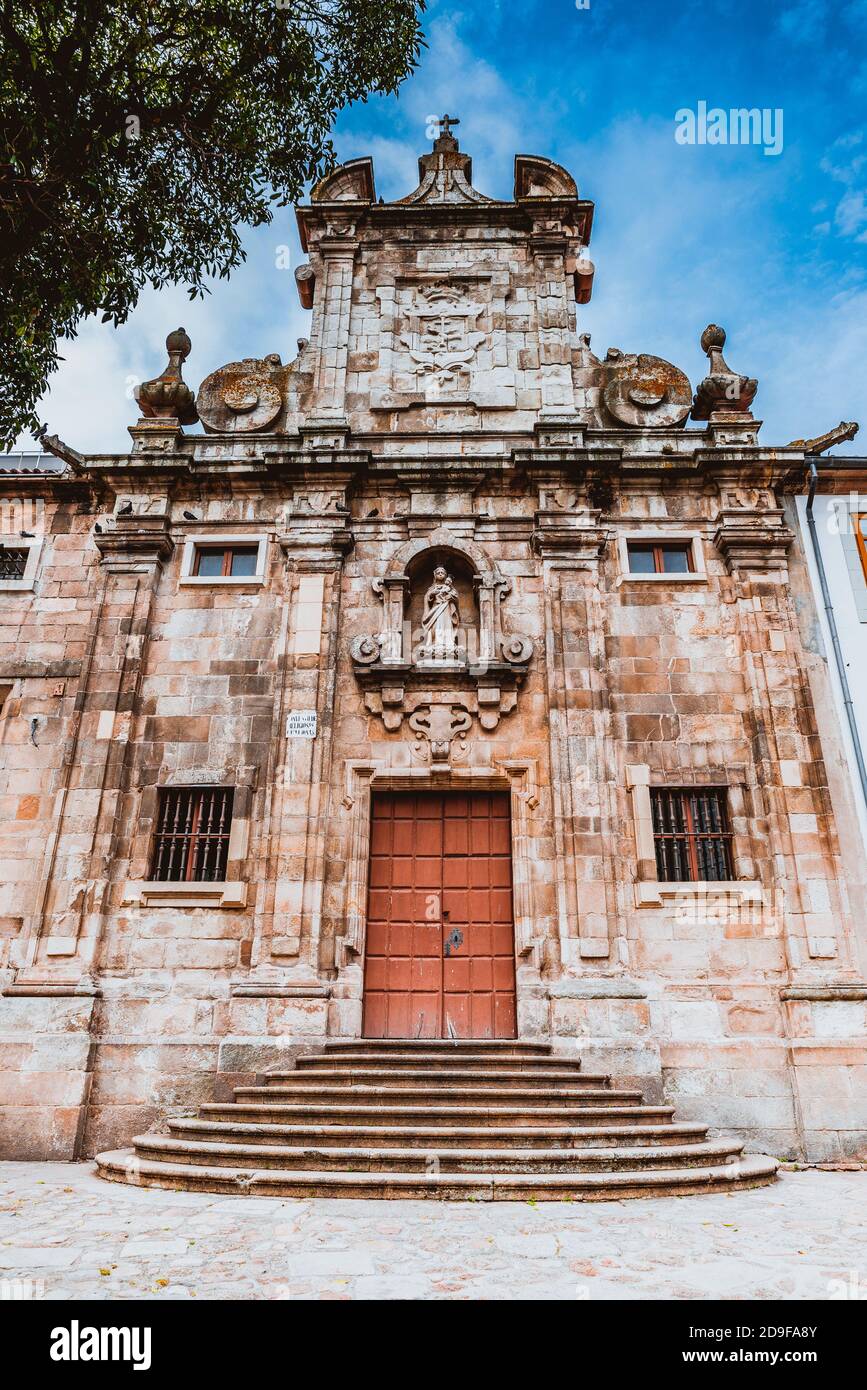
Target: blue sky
[[773, 248]]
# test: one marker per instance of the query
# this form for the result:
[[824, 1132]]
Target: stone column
[[393, 591]]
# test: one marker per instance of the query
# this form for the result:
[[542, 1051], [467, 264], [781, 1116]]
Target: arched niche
[[442, 539], [406, 580], [464, 576]]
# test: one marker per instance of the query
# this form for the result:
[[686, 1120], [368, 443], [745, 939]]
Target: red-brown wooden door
[[440, 956]]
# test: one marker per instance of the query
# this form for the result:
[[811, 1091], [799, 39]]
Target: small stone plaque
[[301, 723]]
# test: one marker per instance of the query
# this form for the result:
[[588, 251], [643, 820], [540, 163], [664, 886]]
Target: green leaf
[[234, 116]]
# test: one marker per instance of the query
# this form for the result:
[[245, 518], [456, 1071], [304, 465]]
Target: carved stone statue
[[441, 618]]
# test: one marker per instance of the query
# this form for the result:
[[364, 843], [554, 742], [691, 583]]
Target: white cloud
[[804, 22], [851, 214], [683, 236], [89, 402]]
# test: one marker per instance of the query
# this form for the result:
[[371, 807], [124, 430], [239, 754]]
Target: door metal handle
[[454, 938]]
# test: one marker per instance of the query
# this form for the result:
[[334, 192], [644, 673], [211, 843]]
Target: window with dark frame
[[226, 561], [191, 841], [13, 561], [660, 557], [861, 537], [691, 834]]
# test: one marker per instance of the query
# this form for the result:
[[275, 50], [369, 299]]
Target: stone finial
[[168, 397], [722, 389], [445, 172]]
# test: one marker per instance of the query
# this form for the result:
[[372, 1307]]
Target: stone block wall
[[500, 445]]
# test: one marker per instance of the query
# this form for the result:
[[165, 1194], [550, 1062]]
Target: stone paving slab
[[61, 1226]]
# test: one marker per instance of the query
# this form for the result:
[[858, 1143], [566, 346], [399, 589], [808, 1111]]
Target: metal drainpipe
[[835, 636]]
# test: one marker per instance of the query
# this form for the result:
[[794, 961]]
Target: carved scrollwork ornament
[[647, 392], [243, 396], [516, 649], [365, 650]]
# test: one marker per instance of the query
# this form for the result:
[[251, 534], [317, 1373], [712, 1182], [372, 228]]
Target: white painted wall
[[849, 603]]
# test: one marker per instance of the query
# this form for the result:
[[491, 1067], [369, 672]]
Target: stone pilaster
[[569, 548], [290, 930], [63, 940], [330, 340], [555, 323], [787, 758], [49, 1010]]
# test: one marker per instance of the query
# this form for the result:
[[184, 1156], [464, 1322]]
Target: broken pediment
[[351, 182], [541, 178], [445, 173]]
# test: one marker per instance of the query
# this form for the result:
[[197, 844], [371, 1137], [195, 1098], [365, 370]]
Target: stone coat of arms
[[442, 339]]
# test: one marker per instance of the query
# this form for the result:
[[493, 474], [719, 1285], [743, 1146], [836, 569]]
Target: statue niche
[[441, 659], [442, 611]]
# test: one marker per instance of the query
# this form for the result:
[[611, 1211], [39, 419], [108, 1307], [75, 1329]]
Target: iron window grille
[[191, 843], [660, 557], [691, 834], [226, 561], [13, 562]]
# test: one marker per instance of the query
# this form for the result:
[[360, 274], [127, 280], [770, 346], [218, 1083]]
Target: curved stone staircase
[[482, 1121]]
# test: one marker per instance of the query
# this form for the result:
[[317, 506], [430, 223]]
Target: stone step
[[496, 1113], [435, 1061], [348, 1046], [360, 1159], [432, 1094], [487, 1121], [124, 1166], [445, 1076], [437, 1137]]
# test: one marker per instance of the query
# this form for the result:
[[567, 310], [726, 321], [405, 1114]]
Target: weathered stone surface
[[444, 413], [803, 1238]]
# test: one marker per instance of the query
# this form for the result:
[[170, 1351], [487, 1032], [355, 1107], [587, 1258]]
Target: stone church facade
[[454, 683]]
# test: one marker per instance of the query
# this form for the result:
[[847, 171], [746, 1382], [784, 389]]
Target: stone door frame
[[362, 778]]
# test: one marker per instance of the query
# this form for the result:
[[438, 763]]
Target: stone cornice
[[329, 445], [316, 542], [134, 542], [753, 540], [561, 536]]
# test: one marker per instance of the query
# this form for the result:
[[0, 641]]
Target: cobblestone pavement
[[80, 1237]]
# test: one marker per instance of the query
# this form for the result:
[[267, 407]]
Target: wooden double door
[[440, 956]]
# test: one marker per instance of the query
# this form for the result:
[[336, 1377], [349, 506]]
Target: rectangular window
[[13, 562], [191, 843], [660, 557], [225, 561], [861, 537], [691, 834]]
